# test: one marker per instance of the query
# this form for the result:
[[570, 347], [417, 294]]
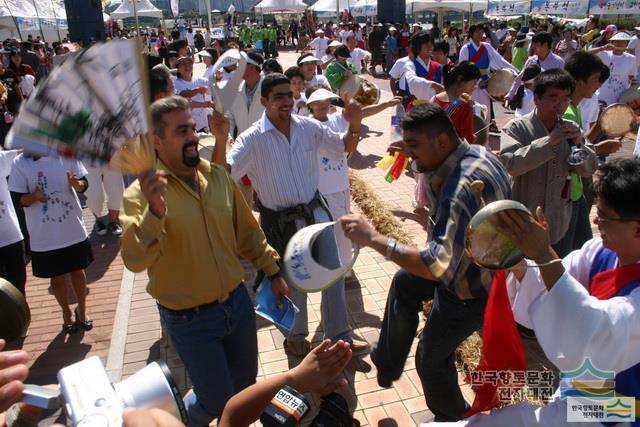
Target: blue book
[[281, 314]]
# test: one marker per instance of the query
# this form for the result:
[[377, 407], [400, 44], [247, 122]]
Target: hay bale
[[377, 211]]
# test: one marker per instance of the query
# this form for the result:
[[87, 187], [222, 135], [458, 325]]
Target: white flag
[[174, 7]]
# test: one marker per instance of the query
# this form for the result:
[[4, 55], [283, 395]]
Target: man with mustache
[[442, 271], [187, 223]]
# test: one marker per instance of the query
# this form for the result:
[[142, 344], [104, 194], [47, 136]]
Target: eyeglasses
[[603, 219]]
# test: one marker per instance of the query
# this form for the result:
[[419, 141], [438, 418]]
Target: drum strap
[[453, 106]]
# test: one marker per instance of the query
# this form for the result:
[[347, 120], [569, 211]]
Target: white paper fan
[[88, 107]]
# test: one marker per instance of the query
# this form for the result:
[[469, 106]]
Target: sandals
[[86, 324]]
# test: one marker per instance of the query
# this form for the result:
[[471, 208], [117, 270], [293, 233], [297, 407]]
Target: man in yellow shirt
[[186, 223]]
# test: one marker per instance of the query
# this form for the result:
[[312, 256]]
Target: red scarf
[[607, 284], [502, 349]]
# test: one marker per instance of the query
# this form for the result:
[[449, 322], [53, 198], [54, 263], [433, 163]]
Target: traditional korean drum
[[616, 120], [14, 312], [499, 83]]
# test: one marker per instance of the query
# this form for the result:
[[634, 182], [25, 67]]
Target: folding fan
[[92, 107]]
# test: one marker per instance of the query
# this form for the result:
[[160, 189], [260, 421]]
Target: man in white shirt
[[486, 58], [397, 81], [279, 153], [247, 108], [622, 66], [319, 44], [357, 55]]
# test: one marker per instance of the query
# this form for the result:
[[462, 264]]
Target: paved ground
[[127, 333]]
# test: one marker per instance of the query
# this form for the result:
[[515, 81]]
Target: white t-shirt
[[589, 111], [344, 35], [190, 39], [621, 67], [318, 80], [199, 114], [357, 56], [208, 74], [397, 71], [9, 227], [527, 104], [320, 45], [334, 172], [453, 42], [57, 223], [635, 44], [300, 106]]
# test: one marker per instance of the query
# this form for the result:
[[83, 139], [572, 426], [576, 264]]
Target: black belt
[[199, 308]]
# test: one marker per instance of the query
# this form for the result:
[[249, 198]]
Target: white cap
[[620, 36], [309, 58], [249, 60], [205, 53], [319, 31], [320, 95], [392, 29], [511, 29], [306, 273], [334, 43]]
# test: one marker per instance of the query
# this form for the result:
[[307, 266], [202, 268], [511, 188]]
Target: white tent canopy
[[21, 18], [143, 8], [413, 6], [331, 7], [365, 8], [272, 6]]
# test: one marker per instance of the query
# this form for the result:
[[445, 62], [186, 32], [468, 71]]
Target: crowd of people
[[281, 147]]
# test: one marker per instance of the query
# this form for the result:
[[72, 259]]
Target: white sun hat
[[334, 43], [309, 58], [320, 95], [302, 267], [621, 36]]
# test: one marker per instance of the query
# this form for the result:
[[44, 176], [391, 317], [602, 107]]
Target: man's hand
[[279, 288], [153, 417], [219, 126], [13, 371], [608, 146], [358, 229], [318, 372], [203, 90], [395, 147], [564, 131], [154, 186], [530, 235], [38, 195], [75, 182]]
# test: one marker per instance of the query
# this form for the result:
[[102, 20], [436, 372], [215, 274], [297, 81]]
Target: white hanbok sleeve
[[572, 325], [497, 62], [522, 294], [419, 86]]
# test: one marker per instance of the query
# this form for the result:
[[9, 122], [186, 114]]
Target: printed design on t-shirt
[[616, 83], [3, 209], [54, 200], [329, 165]]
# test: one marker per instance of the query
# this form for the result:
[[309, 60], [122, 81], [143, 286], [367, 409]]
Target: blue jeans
[[219, 348], [450, 322]]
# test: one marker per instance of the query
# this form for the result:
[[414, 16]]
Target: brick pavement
[[127, 333]]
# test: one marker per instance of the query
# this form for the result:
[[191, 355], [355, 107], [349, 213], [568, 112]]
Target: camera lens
[[152, 387]]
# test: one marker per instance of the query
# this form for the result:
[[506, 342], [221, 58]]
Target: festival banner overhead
[[569, 8], [507, 7], [615, 7]]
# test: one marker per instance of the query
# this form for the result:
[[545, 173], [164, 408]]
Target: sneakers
[[101, 229], [114, 229]]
